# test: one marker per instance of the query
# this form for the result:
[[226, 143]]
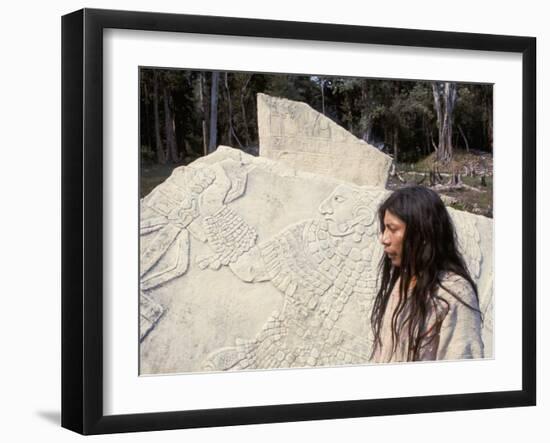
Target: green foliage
[[396, 115]]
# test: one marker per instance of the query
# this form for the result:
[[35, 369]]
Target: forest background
[[439, 134]]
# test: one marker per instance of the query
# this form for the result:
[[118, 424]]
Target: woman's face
[[392, 237]]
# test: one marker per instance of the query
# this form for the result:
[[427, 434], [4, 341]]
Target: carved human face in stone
[[338, 210], [392, 237]]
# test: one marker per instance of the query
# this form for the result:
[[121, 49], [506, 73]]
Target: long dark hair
[[429, 249]]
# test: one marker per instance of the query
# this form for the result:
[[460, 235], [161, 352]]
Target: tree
[[161, 156], [213, 139], [444, 102], [145, 105], [170, 127], [243, 95], [231, 134], [203, 112], [473, 117]]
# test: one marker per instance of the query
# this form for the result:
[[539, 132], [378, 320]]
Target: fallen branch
[[394, 173], [400, 178], [472, 188], [421, 180], [456, 187]]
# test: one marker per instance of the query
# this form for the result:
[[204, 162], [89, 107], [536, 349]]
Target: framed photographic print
[[270, 221]]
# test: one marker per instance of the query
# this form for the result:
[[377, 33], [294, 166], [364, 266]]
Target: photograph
[[294, 221]]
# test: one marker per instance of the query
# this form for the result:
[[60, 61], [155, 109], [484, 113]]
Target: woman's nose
[[384, 238]]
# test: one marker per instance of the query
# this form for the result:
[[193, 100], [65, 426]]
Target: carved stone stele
[[247, 263], [296, 134]]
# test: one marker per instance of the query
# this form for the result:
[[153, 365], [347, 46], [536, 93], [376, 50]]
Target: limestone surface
[[247, 263], [294, 133]]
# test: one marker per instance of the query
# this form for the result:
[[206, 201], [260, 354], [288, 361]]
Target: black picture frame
[[82, 219]]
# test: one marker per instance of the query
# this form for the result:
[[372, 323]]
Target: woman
[[427, 306]]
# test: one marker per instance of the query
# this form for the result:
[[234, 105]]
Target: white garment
[[459, 336]]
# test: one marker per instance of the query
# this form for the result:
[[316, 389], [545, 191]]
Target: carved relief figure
[[168, 215], [317, 265]]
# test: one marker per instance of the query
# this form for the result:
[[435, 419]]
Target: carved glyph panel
[[294, 133]]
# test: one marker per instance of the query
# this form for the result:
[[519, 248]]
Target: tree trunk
[[364, 119], [367, 135], [231, 130], [395, 121], [170, 128], [203, 111], [146, 105], [213, 112], [489, 113], [427, 145], [243, 112], [229, 113], [161, 156], [464, 138], [395, 143], [387, 140], [444, 101]]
